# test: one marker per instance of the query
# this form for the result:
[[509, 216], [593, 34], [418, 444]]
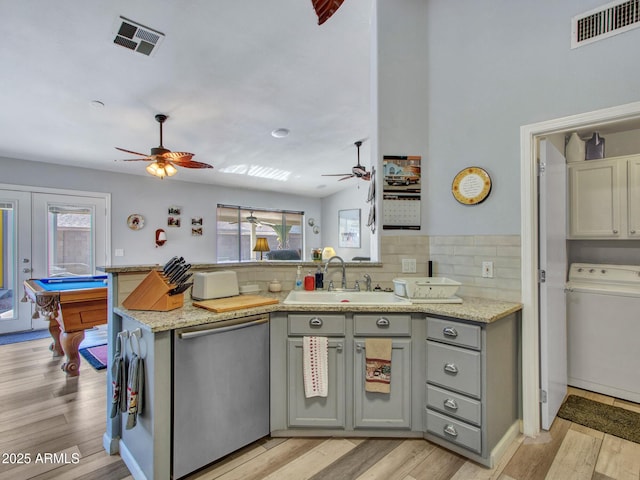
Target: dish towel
[[378, 365], [118, 380], [315, 355], [134, 390]]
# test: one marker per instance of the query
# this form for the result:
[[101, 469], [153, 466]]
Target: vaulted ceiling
[[226, 73]]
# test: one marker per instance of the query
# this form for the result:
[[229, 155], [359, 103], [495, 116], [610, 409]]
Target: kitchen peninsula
[[473, 411]]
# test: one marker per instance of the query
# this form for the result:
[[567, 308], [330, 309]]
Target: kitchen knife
[[172, 271], [175, 276], [180, 289], [170, 264], [183, 278]]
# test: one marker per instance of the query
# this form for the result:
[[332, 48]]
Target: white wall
[[354, 197], [151, 198], [493, 66]]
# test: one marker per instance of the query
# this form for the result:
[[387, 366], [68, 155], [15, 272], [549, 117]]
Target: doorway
[[625, 116], [44, 234]]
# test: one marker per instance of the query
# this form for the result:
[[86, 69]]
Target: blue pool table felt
[[72, 283]]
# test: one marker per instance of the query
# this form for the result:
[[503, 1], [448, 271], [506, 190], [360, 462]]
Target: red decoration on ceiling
[[325, 8]]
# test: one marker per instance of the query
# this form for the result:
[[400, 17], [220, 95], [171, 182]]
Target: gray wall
[[494, 66], [151, 198]]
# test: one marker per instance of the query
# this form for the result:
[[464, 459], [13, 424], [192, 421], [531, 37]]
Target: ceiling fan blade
[[148, 159], [346, 178], [335, 174], [131, 151], [191, 164], [177, 156], [366, 176]]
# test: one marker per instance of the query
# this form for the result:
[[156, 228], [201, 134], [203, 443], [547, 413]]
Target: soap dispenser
[[298, 284]]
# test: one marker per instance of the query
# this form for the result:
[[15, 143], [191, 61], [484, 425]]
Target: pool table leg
[[70, 342], [54, 330]]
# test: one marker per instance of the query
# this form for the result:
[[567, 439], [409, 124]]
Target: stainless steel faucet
[[367, 279], [344, 273]]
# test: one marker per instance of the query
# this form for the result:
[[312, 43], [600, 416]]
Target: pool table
[[72, 305]]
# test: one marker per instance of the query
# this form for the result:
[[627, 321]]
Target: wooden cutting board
[[238, 302]]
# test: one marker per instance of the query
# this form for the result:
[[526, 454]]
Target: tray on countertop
[[238, 302]]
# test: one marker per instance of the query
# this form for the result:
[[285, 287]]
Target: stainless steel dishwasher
[[220, 390]]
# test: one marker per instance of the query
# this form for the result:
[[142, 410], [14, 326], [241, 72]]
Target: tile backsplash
[[457, 257]]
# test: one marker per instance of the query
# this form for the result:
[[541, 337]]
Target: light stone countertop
[[479, 310]]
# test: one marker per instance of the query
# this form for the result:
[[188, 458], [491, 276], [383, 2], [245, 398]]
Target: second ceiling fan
[[357, 171], [164, 160]]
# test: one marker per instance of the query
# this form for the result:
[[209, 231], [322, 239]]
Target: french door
[[43, 235]]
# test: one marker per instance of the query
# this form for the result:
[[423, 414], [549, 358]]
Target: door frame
[[529, 135]]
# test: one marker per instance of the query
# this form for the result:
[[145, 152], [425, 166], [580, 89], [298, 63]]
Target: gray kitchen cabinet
[[321, 412], [472, 386], [383, 410], [348, 409]]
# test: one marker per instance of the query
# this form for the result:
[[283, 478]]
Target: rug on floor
[[96, 356], [616, 421], [8, 338]]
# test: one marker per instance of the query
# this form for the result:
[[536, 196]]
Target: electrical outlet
[[408, 265], [487, 269]]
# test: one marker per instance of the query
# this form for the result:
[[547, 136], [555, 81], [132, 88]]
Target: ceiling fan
[[357, 171], [164, 161], [253, 219]]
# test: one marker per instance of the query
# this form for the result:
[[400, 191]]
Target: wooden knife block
[[153, 294]]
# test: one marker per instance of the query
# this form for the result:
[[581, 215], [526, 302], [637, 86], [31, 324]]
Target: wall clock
[[471, 186]]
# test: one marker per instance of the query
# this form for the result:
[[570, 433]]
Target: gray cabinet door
[[318, 412], [383, 410]]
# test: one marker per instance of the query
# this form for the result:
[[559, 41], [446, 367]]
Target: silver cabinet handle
[[339, 347], [382, 322], [615, 231], [633, 232], [450, 430], [315, 322], [359, 347], [449, 332], [451, 368], [451, 404]]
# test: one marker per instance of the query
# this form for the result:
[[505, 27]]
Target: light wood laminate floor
[[59, 423]]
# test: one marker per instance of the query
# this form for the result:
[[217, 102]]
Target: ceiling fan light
[[170, 170], [153, 168]]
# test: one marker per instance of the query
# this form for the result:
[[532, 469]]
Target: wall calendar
[[401, 192]]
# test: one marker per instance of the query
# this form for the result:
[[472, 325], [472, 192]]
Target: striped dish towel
[[315, 354]]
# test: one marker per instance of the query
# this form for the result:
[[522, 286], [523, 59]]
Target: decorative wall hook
[[161, 237]]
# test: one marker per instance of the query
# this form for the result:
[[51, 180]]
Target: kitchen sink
[[297, 297]]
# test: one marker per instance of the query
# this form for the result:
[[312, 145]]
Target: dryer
[[603, 329]]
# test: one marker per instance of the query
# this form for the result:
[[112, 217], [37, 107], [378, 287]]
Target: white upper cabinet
[[604, 198]]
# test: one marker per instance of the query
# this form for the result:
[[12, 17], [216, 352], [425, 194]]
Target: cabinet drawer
[[382, 324], [454, 431], [454, 404], [312, 324], [455, 368], [455, 333]]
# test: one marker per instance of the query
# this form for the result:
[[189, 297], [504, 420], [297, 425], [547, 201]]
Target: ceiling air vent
[[137, 37], [603, 22]]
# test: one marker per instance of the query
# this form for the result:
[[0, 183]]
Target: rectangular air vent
[[137, 37], [605, 21]]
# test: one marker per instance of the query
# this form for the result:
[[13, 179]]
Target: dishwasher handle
[[187, 335]]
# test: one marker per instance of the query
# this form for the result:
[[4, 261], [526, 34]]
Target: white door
[[15, 260], [70, 235], [553, 261]]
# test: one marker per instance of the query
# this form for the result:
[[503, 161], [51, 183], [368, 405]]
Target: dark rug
[[8, 338], [96, 356], [615, 421]]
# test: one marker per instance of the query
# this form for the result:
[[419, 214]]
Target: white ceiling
[[226, 73]]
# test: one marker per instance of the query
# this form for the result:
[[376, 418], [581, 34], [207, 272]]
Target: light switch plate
[[408, 265], [487, 269], [119, 252]]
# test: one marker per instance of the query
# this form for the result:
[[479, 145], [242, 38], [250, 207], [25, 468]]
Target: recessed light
[[280, 132]]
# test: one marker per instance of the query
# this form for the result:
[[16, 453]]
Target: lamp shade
[[261, 245], [328, 252]]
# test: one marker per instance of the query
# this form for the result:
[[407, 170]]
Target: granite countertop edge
[[474, 309]]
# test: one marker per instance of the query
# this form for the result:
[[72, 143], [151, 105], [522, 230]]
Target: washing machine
[[603, 329]]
